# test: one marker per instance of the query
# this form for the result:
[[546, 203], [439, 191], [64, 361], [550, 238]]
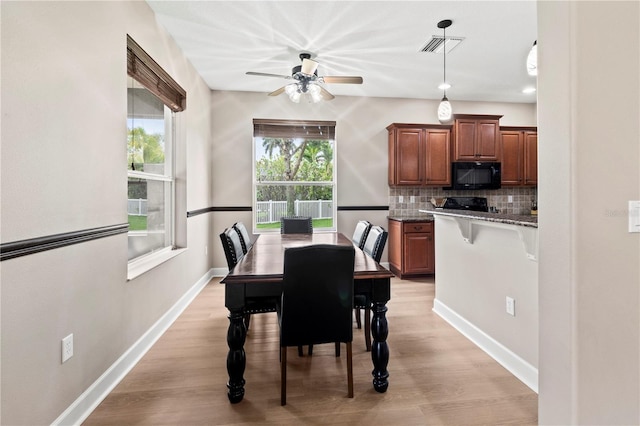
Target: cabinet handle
[[417, 228]]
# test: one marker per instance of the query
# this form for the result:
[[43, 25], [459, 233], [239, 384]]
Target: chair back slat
[[245, 239]]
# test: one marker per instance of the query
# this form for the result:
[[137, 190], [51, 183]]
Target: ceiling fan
[[307, 81]]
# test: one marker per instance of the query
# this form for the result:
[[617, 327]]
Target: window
[[153, 99], [294, 173]]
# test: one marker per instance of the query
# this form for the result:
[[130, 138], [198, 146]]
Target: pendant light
[[532, 60], [444, 109]]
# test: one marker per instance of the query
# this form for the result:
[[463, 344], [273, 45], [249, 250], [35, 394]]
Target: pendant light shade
[[532, 60], [445, 111]]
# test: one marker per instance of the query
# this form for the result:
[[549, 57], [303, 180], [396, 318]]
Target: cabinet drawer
[[410, 227]]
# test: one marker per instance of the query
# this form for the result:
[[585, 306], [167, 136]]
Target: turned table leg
[[379, 347], [236, 359]]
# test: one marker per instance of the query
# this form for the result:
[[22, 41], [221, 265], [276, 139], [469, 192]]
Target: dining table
[[259, 274]]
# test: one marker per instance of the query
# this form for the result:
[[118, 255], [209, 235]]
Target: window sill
[[140, 266]]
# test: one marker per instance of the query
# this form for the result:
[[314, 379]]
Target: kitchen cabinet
[[519, 156], [419, 155], [411, 248], [476, 137]]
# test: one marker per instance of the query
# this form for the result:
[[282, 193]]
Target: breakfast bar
[[487, 284]]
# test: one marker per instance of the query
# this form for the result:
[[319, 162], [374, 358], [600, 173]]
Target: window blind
[[147, 72], [315, 130]]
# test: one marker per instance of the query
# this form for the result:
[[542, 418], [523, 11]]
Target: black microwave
[[475, 175]]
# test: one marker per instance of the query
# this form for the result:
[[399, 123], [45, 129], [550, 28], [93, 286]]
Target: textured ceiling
[[378, 40]]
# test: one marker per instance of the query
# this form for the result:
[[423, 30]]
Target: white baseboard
[[520, 368], [220, 272], [82, 407]]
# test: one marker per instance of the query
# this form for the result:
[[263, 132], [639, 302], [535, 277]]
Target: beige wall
[[361, 138], [589, 154], [63, 169]]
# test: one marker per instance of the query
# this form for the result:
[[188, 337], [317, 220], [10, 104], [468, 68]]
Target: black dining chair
[[231, 243], [317, 302], [373, 247], [296, 225], [360, 233], [245, 239]]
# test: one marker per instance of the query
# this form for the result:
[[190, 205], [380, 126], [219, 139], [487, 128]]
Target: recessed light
[[529, 90]]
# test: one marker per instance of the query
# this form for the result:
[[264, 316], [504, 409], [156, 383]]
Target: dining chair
[[245, 239], [373, 247], [360, 233], [232, 246], [296, 225], [317, 302]]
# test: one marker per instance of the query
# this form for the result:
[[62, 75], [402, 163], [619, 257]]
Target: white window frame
[[164, 88], [333, 183]]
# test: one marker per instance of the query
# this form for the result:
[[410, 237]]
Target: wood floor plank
[[437, 376]]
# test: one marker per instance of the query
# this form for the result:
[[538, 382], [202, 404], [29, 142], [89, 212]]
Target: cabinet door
[[408, 156], [465, 140], [530, 158], [418, 258], [487, 142], [437, 157], [511, 158]]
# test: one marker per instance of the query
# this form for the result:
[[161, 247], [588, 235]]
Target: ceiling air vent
[[436, 44]]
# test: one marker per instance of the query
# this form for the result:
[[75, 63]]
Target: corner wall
[[63, 170], [589, 148]]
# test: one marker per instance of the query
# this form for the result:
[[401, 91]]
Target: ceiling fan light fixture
[[309, 66], [445, 112], [532, 60], [315, 92]]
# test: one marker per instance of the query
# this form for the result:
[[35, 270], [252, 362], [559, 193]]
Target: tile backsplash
[[498, 198]]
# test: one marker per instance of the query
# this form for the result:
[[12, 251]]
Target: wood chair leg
[[283, 375], [247, 320], [350, 369], [367, 328], [358, 321], [337, 349], [300, 353], [310, 350]]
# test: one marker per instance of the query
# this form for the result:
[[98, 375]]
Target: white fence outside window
[[272, 211], [137, 207]]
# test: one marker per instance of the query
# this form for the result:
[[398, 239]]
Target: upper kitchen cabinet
[[419, 155], [476, 137], [519, 156]]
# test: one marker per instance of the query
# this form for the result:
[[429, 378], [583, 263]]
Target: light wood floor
[[436, 375]]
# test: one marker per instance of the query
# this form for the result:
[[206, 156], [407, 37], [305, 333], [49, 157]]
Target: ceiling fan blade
[[325, 94], [309, 66], [265, 74], [277, 92], [342, 79]]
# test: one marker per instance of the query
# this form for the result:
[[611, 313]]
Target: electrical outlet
[[400, 198], [511, 306], [67, 348], [509, 198], [412, 199]]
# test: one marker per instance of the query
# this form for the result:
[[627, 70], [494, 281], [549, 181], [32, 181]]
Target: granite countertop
[[512, 219], [415, 217]]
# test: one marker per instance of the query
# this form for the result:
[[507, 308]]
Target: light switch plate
[[634, 216]]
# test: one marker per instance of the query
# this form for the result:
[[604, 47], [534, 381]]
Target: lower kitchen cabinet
[[411, 248]]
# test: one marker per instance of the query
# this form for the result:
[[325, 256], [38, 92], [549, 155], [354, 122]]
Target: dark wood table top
[[265, 261]]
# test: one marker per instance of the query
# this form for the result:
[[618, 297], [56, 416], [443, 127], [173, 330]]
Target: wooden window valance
[[315, 130], [147, 72]]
